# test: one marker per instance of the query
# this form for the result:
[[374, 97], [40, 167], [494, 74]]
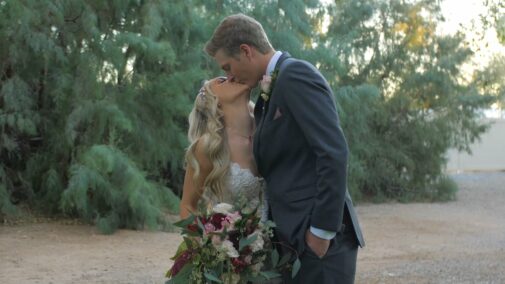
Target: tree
[[495, 17], [94, 99], [409, 89]]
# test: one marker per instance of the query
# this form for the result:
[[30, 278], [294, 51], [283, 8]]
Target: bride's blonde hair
[[206, 127]]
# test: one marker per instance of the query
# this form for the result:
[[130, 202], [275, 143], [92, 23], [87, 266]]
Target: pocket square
[[277, 114]]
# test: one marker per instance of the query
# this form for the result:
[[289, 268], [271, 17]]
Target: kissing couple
[[286, 153]]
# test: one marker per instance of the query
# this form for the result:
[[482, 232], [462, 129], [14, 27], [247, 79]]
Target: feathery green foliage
[[82, 74], [403, 97], [94, 97], [107, 187]]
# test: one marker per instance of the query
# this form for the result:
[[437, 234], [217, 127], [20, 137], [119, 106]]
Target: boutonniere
[[266, 85]]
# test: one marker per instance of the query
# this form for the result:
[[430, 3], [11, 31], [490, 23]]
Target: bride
[[220, 165]]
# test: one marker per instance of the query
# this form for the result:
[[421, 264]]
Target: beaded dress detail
[[241, 184]]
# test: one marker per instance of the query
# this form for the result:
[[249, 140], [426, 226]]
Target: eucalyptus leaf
[[275, 258], [200, 225], [185, 222], [296, 267], [190, 233], [255, 279], [181, 249], [285, 258], [246, 241], [270, 274], [211, 277]]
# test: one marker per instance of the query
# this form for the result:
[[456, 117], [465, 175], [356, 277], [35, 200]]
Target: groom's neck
[[265, 59]]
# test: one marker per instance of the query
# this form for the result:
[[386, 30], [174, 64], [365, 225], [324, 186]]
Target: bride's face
[[226, 90]]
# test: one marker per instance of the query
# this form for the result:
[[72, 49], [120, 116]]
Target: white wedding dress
[[241, 184]]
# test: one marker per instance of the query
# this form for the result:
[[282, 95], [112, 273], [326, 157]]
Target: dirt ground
[[456, 242]]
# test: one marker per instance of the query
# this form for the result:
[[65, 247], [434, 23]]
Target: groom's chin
[[250, 84]]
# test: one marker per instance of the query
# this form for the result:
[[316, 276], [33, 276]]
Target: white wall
[[488, 154]]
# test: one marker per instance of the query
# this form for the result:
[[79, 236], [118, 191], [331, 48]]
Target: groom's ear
[[246, 50]]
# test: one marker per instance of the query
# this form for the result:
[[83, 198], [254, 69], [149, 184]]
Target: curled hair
[[206, 129]]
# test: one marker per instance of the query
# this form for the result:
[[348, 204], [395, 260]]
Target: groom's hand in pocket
[[316, 244]]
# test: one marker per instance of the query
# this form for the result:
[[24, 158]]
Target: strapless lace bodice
[[241, 184]]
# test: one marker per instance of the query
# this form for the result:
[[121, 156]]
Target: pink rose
[[230, 220], [209, 228]]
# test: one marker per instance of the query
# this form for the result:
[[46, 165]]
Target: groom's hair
[[235, 30]]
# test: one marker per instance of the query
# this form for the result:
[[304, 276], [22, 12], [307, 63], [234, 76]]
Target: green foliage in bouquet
[[227, 245]]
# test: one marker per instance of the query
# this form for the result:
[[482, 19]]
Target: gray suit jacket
[[302, 154]]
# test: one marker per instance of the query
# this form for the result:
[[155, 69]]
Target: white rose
[[258, 243], [223, 208], [228, 248]]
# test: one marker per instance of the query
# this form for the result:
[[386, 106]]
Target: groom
[[300, 150]]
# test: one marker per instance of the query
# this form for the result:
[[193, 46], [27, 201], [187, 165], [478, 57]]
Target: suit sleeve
[[311, 103]]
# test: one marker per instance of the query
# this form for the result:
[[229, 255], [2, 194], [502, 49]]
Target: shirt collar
[[273, 62]]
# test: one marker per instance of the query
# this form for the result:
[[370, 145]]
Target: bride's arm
[[192, 190]]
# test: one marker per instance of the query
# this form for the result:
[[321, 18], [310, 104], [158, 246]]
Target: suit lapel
[[260, 111], [261, 104], [258, 108]]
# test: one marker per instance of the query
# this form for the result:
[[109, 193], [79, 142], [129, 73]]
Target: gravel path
[[456, 242]]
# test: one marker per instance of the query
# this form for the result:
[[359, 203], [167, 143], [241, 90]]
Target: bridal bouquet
[[227, 245]]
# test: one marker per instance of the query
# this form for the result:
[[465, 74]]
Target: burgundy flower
[[204, 220], [192, 228], [180, 261], [217, 219], [239, 264]]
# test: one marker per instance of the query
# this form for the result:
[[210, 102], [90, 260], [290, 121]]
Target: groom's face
[[239, 68]]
